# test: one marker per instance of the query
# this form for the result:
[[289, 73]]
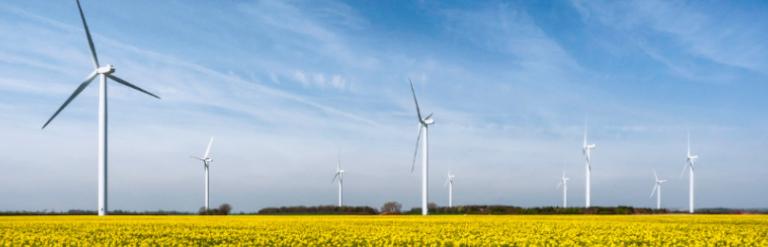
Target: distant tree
[[431, 206], [224, 209], [391, 208]]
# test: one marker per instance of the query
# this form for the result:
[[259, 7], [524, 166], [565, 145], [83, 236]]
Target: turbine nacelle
[[429, 120], [564, 180], [449, 179], [339, 175], [206, 161], [692, 158], [106, 69]]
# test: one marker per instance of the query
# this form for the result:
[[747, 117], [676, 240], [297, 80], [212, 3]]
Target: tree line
[[395, 208]]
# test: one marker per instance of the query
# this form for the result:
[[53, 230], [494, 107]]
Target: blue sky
[[285, 85]]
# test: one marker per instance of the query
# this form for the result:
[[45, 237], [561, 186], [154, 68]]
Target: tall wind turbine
[[586, 149], [564, 183], [207, 160], [657, 189], [103, 72], [424, 123], [339, 176], [449, 183], [689, 160]]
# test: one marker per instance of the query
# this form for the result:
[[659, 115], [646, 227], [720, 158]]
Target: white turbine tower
[[657, 189], [564, 183], [339, 177], [103, 72], [690, 160], [449, 183], [207, 160], [586, 149], [424, 123]]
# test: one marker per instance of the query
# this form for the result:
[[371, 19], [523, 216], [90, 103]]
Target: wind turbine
[[449, 183], [207, 160], [586, 149], [690, 160], [103, 72], [564, 183], [424, 123], [339, 176], [657, 189]]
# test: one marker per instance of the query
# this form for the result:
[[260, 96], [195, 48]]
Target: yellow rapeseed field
[[643, 230]]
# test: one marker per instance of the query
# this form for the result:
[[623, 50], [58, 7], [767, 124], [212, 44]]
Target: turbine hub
[[429, 121], [106, 69]]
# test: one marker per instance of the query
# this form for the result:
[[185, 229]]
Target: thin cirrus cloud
[[287, 86], [723, 35]]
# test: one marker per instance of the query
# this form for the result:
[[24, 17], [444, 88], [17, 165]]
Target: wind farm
[[517, 87]]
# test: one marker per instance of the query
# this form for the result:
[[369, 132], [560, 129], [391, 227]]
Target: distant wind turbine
[[564, 183], [103, 72], [339, 176], [690, 160], [657, 189], [586, 149], [207, 160], [449, 183], [424, 123]]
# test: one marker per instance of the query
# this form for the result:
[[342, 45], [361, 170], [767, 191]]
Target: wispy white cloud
[[715, 36]]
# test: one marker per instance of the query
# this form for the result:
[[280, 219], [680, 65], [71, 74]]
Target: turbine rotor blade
[[689, 144], [197, 158], [655, 187], [128, 84], [683, 172], [334, 177], [77, 91], [338, 163], [416, 151], [586, 130], [418, 111], [655, 175], [88, 35], [208, 149]]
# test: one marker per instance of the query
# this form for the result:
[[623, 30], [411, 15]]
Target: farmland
[[675, 230]]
